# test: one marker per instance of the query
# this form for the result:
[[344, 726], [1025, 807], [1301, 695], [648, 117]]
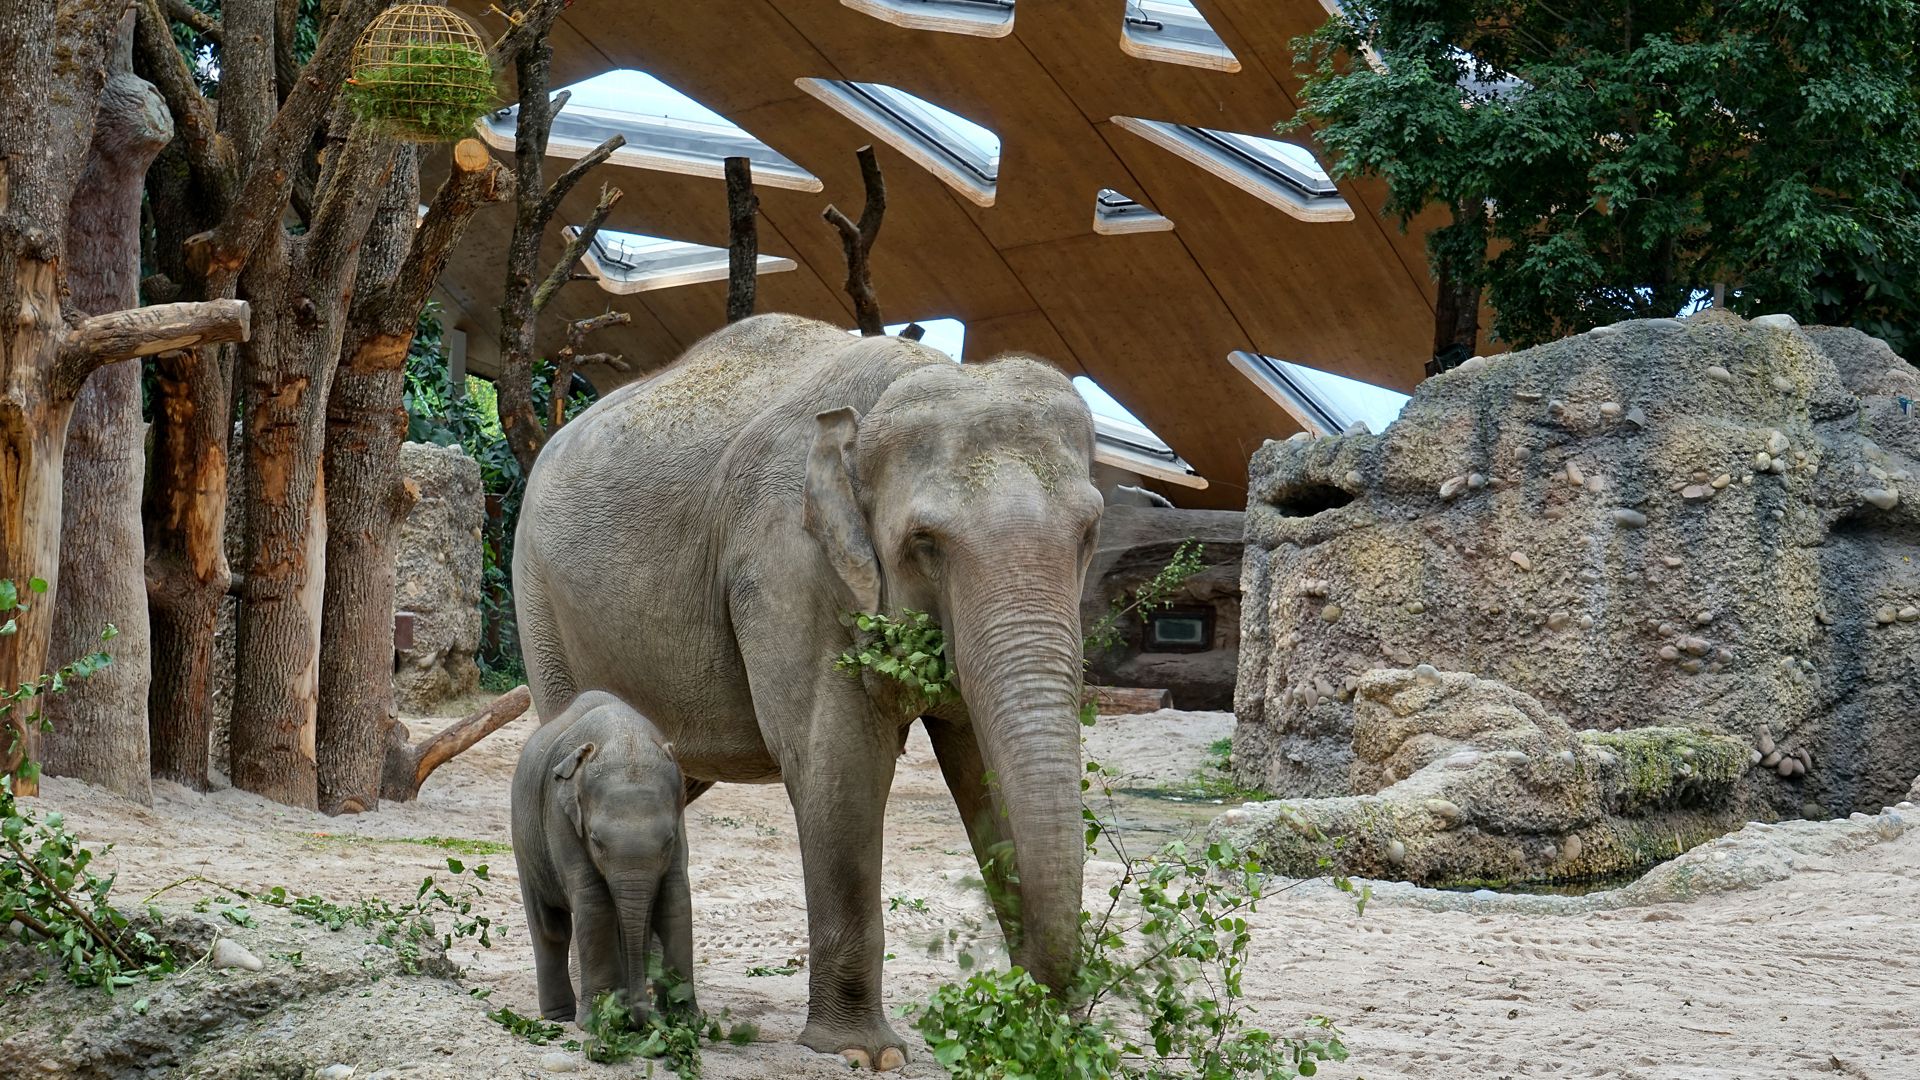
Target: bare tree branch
[[857, 242], [743, 239], [123, 335], [192, 17], [193, 117], [571, 360], [550, 203], [407, 767], [576, 248]]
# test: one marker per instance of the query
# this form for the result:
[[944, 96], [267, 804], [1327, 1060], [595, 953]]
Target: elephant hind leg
[[542, 646], [552, 931]]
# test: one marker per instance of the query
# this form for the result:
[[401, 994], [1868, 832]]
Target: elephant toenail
[[892, 1058], [857, 1058]]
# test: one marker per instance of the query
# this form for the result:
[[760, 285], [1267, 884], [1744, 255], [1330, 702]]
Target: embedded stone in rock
[[1610, 409], [1358, 427], [1629, 519], [1476, 481], [1883, 498], [1520, 560], [1777, 443], [1451, 487], [1778, 321], [1696, 492], [1331, 613], [228, 953], [1637, 417], [1575, 478], [1885, 615], [1783, 384], [1719, 374]]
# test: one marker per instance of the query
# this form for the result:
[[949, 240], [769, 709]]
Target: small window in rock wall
[[1179, 630]]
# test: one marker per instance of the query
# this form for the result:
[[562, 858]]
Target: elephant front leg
[[552, 932], [839, 802], [673, 925], [596, 935]]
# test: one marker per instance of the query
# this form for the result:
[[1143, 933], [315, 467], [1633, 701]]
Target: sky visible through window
[[625, 90]]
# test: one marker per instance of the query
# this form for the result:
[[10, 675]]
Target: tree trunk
[[306, 283], [367, 497], [1460, 250], [99, 729], [51, 72], [366, 501]]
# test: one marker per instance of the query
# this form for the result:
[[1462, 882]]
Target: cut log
[[407, 767], [1127, 700]]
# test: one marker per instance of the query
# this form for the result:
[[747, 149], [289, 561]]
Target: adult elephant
[[694, 541]]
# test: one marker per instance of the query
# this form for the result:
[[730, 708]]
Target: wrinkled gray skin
[[598, 837], [692, 541]]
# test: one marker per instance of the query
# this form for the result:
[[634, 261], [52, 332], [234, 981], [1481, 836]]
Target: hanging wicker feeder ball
[[420, 73]]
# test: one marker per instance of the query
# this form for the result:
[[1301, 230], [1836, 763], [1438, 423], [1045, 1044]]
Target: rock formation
[[1710, 526], [1479, 783], [437, 571]]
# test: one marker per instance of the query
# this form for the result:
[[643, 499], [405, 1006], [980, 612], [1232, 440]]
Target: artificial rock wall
[[1711, 525], [438, 564]]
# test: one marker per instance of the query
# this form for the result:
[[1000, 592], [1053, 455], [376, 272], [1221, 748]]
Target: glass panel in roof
[[1283, 174], [954, 148], [665, 130], [1115, 213], [1322, 401], [1122, 441], [635, 262], [1173, 31], [943, 335], [978, 18]]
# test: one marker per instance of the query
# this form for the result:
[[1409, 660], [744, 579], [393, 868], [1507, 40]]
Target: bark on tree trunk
[[856, 243], [743, 239], [306, 282], [99, 729], [1456, 309], [367, 497], [365, 502]]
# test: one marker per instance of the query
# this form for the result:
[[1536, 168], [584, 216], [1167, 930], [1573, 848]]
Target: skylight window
[[1281, 174], [1322, 402], [977, 18], [942, 335], [1173, 32], [1115, 214], [632, 262], [960, 152], [1122, 441], [666, 131]]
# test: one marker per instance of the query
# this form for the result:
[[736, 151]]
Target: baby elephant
[[597, 832]]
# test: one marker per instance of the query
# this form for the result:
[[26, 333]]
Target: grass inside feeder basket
[[425, 92]]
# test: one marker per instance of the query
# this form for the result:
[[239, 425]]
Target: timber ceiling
[[1150, 316]]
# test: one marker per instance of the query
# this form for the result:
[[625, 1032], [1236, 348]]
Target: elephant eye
[[923, 545]]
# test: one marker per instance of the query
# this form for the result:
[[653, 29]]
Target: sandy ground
[[1816, 973]]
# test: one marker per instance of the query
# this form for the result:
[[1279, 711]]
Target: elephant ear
[[833, 514], [569, 794]]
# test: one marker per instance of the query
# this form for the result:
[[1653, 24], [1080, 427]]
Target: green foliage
[[531, 1028], [910, 650], [11, 606], [459, 845], [403, 928], [762, 971], [1154, 594], [45, 882], [906, 903], [431, 92], [1637, 153], [617, 1032], [47, 886], [203, 53], [1158, 995]]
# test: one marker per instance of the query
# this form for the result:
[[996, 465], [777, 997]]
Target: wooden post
[[743, 239], [857, 242]]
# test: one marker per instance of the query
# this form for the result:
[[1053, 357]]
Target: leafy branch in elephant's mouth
[[910, 650]]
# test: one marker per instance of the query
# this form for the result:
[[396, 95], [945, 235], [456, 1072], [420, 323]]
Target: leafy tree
[[1617, 159]]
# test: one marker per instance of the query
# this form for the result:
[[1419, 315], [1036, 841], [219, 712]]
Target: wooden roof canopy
[[1151, 316]]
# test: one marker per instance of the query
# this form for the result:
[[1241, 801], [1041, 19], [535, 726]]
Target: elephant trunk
[[633, 897], [1016, 645]]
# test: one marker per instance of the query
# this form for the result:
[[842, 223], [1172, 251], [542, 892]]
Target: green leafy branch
[[1154, 594], [910, 650], [11, 605], [616, 1031]]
